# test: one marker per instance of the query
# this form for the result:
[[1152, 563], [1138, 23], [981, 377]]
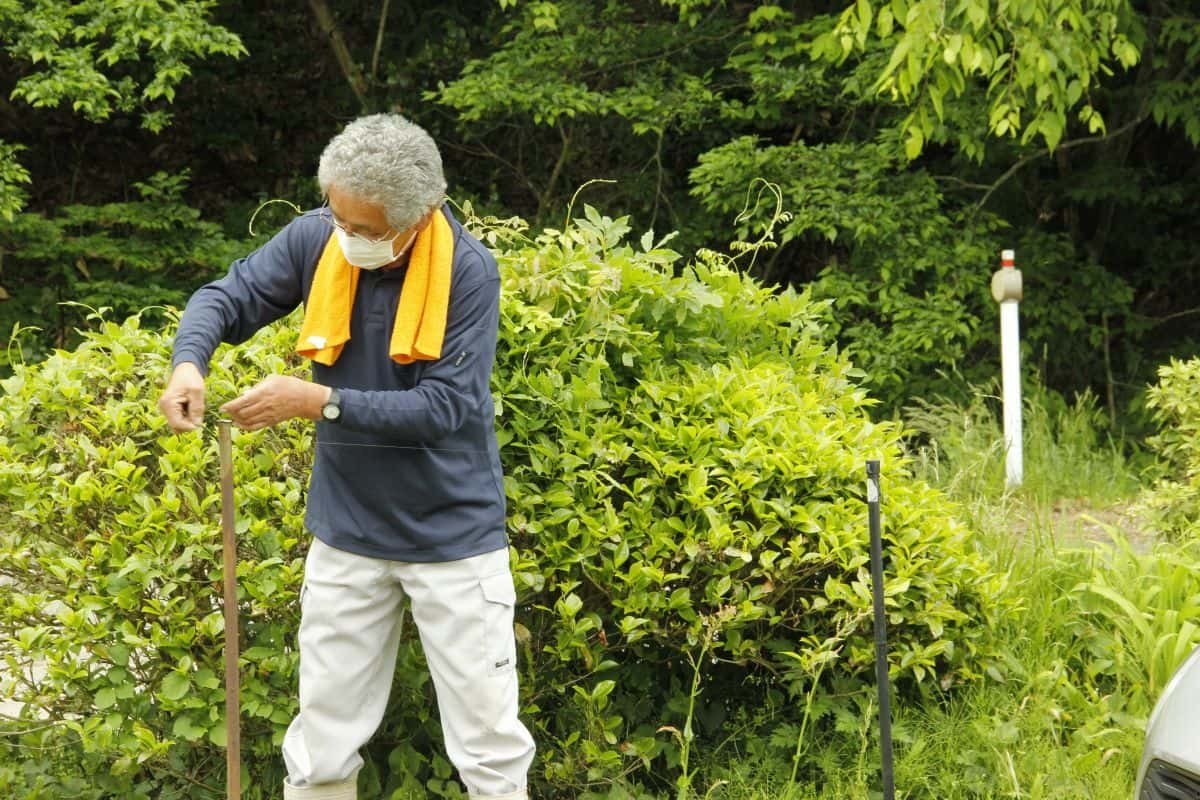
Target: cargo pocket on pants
[[499, 644]]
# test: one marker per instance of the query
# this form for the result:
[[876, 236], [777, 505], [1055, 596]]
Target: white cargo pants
[[349, 637]]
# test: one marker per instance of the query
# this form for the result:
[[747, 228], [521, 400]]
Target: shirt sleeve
[[258, 289], [451, 390]]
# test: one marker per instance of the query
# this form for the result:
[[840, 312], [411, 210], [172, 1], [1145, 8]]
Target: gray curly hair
[[385, 159]]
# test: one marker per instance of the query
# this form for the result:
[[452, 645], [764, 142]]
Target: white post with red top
[[1006, 289]]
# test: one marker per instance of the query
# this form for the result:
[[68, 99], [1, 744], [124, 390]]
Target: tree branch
[[1156, 321], [961, 182], [1020, 164], [25, 731], [383, 11], [483, 151], [544, 200], [349, 68]]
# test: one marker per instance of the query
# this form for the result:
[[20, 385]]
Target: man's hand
[[182, 402], [276, 399]]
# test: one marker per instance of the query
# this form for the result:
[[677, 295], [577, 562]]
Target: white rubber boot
[[520, 794], [342, 790]]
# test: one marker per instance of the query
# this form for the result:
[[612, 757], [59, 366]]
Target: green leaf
[[185, 728], [105, 698], [175, 686], [914, 143]]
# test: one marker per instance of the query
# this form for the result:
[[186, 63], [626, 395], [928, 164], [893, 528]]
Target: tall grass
[[1068, 450]]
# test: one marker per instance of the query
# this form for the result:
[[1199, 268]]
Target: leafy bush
[[127, 256], [684, 459], [893, 253], [1174, 500], [111, 541], [907, 266], [43, 761]]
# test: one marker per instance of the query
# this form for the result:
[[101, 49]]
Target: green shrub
[[684, 459], [40, 761], [112, 543], [1174, 500], [891, 254], [126, 256]]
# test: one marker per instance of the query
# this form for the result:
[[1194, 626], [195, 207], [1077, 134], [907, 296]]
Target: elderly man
[[406, 499]]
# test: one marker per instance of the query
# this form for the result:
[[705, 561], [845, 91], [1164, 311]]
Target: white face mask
[[370, 255]]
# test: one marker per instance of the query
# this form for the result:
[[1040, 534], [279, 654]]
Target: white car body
[[1170, 768]]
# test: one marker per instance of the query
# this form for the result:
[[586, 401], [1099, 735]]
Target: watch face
[[332, 410]]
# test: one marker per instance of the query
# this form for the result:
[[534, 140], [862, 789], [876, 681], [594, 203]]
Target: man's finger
[[242, 410], [175, 408], [241, 402], [193, 407], [234, 408]]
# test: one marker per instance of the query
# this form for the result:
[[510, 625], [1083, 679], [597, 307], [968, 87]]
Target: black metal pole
[[881, 661]]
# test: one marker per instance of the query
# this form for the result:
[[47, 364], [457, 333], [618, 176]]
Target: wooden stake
[[233, 738]]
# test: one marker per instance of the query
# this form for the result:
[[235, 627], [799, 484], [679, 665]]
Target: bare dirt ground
[[1078, 523]]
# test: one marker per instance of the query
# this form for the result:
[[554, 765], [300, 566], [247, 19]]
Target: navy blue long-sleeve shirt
[[411, 471]]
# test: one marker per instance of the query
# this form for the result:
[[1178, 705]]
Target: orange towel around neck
[[420, 324]]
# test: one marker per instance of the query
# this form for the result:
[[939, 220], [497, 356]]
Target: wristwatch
[[332, 410]]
